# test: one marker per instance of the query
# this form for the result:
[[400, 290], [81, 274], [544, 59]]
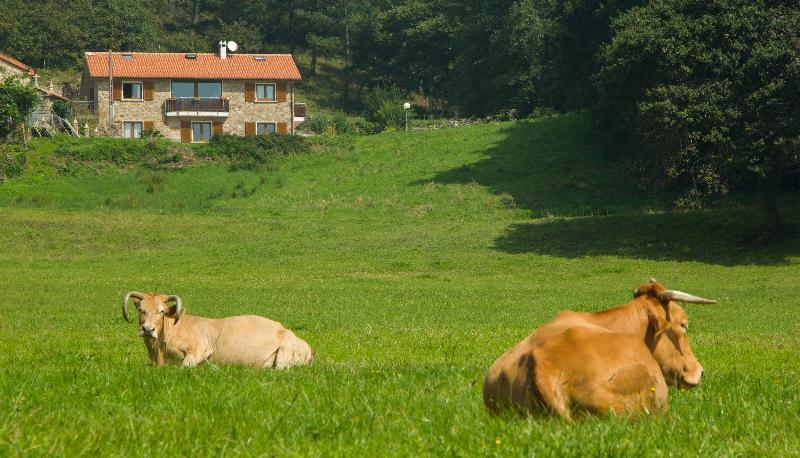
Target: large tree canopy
[[704, 94]]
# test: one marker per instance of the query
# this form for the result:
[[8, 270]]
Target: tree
[[323, 33], [18, 99], [577, 31], [704, 95]]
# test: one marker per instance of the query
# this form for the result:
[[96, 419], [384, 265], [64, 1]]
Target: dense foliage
[[17, 101], [12, 163], [251, 150], [122, 152], [62, 109], [705, 95], [466, 56], [158, 153]]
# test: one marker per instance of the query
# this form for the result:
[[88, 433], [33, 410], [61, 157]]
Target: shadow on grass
[[553, 168], [725, 237]]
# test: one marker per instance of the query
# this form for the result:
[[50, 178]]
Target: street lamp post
[[406, 107]]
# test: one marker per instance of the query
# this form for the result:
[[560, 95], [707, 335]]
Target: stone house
[[9, 65], [191, 96]]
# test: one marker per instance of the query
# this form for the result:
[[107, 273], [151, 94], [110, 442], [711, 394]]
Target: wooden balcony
[[197, 107], [299, 110]]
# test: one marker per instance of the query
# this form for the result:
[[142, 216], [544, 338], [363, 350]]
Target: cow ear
[[174, 312]]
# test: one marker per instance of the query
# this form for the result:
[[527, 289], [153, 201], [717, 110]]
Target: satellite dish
[[233, 46]]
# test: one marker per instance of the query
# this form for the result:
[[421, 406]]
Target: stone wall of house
[[242, 111], [8, 69], [153, 110]]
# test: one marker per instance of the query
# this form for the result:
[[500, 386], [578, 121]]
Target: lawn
[[409, 262]]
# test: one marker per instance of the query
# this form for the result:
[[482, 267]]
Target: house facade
[[191, 96]]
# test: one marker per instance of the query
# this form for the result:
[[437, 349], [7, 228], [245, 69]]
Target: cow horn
[[673, 295], [178, 306], [128, 295]]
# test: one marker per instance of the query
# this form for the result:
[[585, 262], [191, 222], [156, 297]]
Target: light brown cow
[[173, 336], [614, 361]]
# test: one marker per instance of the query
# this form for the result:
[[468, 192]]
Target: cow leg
[[553, 396], [631, 389], [292, 352], [192, 359], [285, 356]]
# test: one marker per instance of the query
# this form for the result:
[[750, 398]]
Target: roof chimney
[[223, 50]]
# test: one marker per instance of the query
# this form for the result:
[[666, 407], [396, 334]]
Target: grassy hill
[[409, 262]]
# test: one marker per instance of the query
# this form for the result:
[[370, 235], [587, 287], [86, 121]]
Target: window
[[183, 89], [197, 89], [131, 91], [265, 92], [209, 89], [265, 128], [201, 132], [132, 129]]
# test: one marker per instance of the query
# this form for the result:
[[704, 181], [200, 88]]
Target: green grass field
[[409, 262]]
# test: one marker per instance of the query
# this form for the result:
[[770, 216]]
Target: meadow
[[409, 262]]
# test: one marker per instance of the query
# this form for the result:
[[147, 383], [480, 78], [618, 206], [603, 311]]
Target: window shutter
[[147, 125], [217, 127], [148, 90], [283, 128], [281, 87], [249, 128], [249, 92], [186, 131], [117, 93]]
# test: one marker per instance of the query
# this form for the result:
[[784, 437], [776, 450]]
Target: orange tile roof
[[204, 66], [47, 93], [17, 64]]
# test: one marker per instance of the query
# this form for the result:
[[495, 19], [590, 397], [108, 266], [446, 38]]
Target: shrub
[[362, 126], [379, 96], [391, 116], [542, 112], [155, 153], [340, 123], [17, 101], [12, 165], [248, 152], [384, 107], [152, 133], [62, 109], [317, 124]]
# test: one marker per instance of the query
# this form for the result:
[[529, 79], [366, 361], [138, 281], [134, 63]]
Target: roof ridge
[[189, 52], [205, 65]]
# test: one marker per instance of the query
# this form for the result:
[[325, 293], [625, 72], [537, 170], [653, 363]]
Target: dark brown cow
[[614, 361]]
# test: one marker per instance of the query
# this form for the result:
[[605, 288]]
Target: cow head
[[152, 309], [666, 334]]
